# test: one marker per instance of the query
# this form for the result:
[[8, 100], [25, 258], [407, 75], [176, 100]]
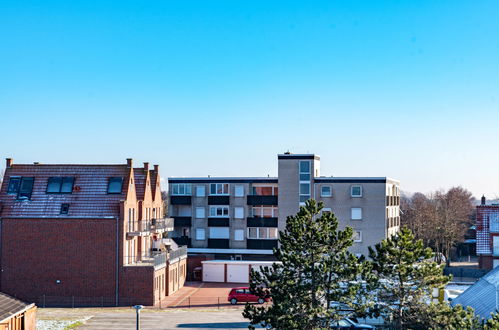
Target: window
[[219, 232], [200, 191], [26, 188], [356, 213], [181, 189], [60, 185], [200, 212], [326, 191], [219, 189], [64, 209], [304, 192], [114, 185], [14, 184], [357, 236], [239, 212], [200, 234], [304, 170], [239, 235], [265, 191], [326, 210], [356, 191], [219, 211], [264, 211], [239, 191], [262, 233]]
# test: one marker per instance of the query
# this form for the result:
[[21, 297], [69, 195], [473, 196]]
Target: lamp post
[[137, 311]]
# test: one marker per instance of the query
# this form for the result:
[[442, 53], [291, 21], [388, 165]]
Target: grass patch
[[73, 325]]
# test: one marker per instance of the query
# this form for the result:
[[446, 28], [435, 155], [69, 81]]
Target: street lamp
[[137, 311]]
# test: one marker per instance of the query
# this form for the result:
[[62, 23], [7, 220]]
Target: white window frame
[[201, 215], [239, 190], [225, 189], [258, 211], [200, 191], [360, 236], [267, 230], [356, 196], [275, 190], [352, 213], [239, 235], [330, 191], [215, 207], [238, 212], [198, 232], [186, 187]]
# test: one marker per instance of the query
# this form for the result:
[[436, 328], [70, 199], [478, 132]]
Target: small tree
[[406, 278], [315, 269], [444, 316]]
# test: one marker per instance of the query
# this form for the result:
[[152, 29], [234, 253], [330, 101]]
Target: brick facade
[[100, 248]]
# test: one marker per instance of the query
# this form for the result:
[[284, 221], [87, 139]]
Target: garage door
[[213, 272], [237, 274]]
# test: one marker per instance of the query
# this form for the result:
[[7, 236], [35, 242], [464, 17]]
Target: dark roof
[[10, 306], [140, 182], [89, 198]]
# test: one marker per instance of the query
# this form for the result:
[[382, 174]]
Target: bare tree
[[440, 219]]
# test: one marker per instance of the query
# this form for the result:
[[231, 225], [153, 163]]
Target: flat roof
[[321, 179], [243, 262]]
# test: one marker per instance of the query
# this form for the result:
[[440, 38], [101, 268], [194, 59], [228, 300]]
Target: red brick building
[[487, 235], [90, 233]]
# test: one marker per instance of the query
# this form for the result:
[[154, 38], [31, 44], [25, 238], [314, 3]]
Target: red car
[[243, 295]]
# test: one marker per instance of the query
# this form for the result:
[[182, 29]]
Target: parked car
[[243, 294], [347, 323]]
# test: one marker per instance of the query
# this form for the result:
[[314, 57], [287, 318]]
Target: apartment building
[[86, 235], [487, 234], [240, 217]]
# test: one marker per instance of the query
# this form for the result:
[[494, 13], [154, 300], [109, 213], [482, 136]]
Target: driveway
[[169, 319]]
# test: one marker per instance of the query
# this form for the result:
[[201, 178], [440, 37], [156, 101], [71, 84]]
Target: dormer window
[[21, 186], [60, 185], [114, 185], [64, 209]]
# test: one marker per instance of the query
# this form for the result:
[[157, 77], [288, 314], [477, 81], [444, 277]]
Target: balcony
[[180, 200], [183, 240], [162, 225], [154, 259], [218, 243], [262, 200], [218, 222], [262, 222], [218, 200], [180, 253], [138, 228], [261, 244], [182, 221]]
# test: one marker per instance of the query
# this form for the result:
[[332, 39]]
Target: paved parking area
[[202, 294], [170, 319]]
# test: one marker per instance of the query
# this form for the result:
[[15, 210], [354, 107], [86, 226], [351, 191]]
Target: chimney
[[483, 200], [129, 162], [8, 162], [156, 169], [146, 166]]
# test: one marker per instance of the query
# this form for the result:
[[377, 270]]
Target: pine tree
[[315, 269], [406, 277]]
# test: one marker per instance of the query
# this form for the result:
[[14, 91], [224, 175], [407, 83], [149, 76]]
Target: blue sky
[[406, 89]]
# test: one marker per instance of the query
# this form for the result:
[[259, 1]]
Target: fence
[[169, 302]]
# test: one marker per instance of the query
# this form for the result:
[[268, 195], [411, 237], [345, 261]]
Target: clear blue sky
[[406, 89]]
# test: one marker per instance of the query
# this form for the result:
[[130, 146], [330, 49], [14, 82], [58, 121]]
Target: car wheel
[[261, 301], [233, 301]]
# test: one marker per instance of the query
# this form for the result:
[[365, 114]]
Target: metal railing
[[162, 224], [139, 226], [155, 259], [178, 253]]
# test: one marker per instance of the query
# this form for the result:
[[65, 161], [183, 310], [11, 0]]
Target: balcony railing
[[155, 259], [138, 228], [181, 253], [162, 225]]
